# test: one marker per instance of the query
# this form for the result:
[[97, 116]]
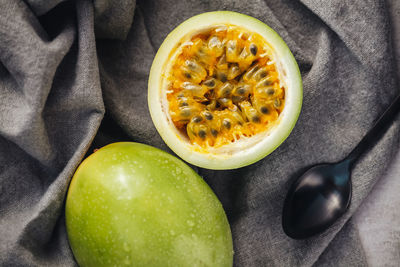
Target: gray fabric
[[57, 81], [378, 218]]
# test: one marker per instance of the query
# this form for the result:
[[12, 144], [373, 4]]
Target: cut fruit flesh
[[224, 90], [224, 86]]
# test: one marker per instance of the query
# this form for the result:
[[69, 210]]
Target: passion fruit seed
[[210, 83], [233, 72], [261, 73], [202, 134], [264, 110], [208, 115], [224, 86], [241, 90], [222, 76], [264, 82], [226, 123], [256, 119], [197, 119], [253, 49], [225, 90]]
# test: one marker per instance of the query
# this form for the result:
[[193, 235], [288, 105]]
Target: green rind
[[288, 117], [130, 204]]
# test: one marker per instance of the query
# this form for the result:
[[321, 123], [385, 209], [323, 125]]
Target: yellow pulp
[[224, 85]]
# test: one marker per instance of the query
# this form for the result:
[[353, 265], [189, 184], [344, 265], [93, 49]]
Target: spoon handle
[[377, 130]]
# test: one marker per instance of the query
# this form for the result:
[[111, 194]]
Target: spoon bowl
[[317, 199]]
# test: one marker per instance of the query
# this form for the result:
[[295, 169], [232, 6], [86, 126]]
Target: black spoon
[[322, 194]]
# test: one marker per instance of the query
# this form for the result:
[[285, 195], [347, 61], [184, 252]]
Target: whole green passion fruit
[[130, 204], [224, 90]]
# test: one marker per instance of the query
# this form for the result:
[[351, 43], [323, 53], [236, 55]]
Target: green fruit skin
[[131, 204]]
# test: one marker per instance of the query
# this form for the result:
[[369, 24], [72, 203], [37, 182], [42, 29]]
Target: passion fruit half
[[224, 90]]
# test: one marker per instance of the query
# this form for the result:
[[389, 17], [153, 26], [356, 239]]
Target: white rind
[[245, 153]]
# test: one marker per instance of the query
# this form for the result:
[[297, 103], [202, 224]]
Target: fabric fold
[[48, 126]]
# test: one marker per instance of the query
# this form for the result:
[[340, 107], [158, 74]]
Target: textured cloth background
[[378, 218], [57, 82]]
